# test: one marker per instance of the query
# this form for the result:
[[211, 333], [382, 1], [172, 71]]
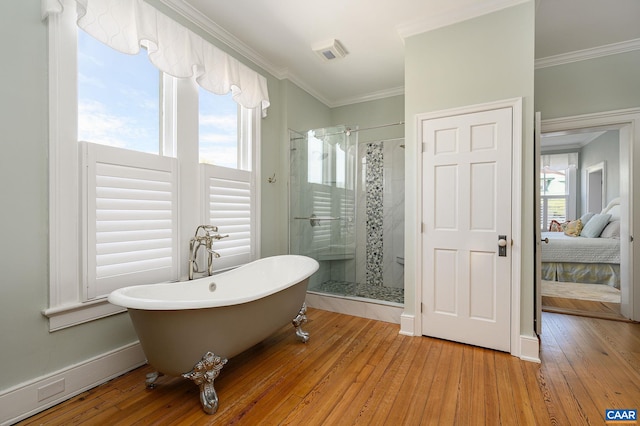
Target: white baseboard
[[529, 346], [530, 349], [27, 399], [407, 325], [363, 308]]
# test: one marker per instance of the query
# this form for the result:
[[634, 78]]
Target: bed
[[592, 257]]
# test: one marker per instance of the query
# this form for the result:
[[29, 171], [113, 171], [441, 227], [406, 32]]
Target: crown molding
[[295, 80], [186, 10], [381, 94], [585, 54], [452, 17]]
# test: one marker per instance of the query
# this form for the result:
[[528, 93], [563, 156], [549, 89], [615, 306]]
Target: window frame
[[570, 196], [68, 304]]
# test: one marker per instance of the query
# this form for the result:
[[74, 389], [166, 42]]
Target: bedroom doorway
[[596, 184], [580, 222], [620, 126]]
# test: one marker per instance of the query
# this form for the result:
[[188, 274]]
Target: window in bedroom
[[557, 188]]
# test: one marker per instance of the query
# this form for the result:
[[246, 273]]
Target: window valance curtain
[[559, 162], [125, 25]]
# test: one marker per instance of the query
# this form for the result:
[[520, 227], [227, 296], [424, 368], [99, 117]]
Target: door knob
[[502, 245]]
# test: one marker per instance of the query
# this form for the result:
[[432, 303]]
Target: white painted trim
[[381, 94], [64, 207], [516, 211], [407, 322], [183, 8], [452, 17], [602, 168], [516, 226], [79, 313], [530, 349], [27, 399], [586, 54], [364, 308]]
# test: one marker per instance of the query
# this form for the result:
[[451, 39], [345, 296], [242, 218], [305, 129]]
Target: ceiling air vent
[[330, 50]]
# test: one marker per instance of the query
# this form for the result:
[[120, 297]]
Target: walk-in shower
[[346, 210]]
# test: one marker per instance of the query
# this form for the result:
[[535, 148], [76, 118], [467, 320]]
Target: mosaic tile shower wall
[[374, 182], [361, 189]]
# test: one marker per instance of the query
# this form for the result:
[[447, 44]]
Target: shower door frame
[[328, 131]]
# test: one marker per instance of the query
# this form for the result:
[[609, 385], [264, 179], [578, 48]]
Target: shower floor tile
[[345, 288]]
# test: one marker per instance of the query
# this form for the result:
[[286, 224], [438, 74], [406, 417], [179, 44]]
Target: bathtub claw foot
[[300, 319], [150, 382], [203, 374]]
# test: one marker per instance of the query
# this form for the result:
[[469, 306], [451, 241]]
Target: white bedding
[[562, 248]]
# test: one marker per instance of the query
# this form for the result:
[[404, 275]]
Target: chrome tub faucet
[[206, 238]]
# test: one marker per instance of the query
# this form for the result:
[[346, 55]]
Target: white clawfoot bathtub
[[191, 328]]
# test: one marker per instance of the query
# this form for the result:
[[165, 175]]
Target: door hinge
[[424, 147]]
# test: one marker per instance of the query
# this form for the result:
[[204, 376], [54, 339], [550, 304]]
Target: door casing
[[627, 121]]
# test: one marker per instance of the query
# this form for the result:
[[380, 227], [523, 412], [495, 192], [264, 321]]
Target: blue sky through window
[[218, 129], [118, 97], [119, 105]]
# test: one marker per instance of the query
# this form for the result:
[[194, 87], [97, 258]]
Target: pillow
[[585, 218], [612, 230], [573, 228], [595, 225], [555, 226]]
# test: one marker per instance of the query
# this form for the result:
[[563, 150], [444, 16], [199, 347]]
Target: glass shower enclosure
[[336, 214]]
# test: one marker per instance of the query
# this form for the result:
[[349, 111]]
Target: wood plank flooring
[[588, 308], [360, 371]]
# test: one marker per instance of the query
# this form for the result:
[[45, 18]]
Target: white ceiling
[[279, 36], [568, 140]]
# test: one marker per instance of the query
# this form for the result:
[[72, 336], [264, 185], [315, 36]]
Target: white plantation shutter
[[322, 208], [347, 209], [231, 201], [131, 225]]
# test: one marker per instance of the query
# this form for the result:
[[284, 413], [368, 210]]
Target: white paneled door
[[466, 232]]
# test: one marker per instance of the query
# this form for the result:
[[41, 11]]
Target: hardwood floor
[[360, 371], [586, 308]]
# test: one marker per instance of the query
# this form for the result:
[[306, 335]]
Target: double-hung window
[[134, 153], [227, 149], [129, 192], [558, 188]]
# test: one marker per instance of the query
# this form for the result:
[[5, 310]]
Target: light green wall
[[370, 114], [485, 59], [596, 85], [28, 349], [303, 111]]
